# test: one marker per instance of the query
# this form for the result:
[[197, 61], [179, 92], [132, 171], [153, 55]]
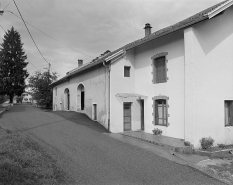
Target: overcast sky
[[89, 26]]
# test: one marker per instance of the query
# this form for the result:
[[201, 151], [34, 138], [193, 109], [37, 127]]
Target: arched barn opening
[[80, 97], [67, 99]]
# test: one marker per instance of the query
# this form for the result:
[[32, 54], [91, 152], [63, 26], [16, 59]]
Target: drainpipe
[[122, 53], [108, 73]]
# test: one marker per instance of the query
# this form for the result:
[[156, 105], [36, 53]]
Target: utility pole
[[49, 68], [49, 72]]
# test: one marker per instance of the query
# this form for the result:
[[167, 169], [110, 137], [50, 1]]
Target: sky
[[84, 29]]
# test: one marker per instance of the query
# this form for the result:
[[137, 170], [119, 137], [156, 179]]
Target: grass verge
[[23, 161]]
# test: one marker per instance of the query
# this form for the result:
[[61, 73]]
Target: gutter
[[219, 9]]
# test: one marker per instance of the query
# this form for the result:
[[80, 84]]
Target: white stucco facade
[[93, 84], [199, 65], [208, 79]]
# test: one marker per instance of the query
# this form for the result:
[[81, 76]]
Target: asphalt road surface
[[92, 156]]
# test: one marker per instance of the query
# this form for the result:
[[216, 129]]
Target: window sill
[[162, 125], [160, 82]]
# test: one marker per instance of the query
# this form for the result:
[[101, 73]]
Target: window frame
[[155, 109], [127, 67], [154, 73]]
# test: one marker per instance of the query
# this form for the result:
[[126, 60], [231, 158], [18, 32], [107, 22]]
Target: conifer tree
[[12, 65]]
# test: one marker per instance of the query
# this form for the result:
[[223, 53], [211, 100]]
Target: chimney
[[80, 62], [147, 29]]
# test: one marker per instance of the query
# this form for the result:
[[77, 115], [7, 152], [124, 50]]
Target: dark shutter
[[156, 116], [160, 69]]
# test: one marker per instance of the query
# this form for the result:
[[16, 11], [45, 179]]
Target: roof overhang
[[115, 55], [219, 9]]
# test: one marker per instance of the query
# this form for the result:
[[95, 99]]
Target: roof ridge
[[198, 17]]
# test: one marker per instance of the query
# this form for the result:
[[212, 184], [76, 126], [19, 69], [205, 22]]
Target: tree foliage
[[40, 89], [12, 65]]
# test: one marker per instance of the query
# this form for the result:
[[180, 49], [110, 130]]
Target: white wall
[[209, 79], [173, 88], [120, 84], [140, 82], [94, 82]]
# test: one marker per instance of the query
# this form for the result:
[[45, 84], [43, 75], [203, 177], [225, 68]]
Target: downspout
[[108, 73], [109, 70]]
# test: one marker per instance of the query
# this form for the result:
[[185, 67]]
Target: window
[[228, 113], [159, 65], [160, 74], [160, 111], [126, 71]]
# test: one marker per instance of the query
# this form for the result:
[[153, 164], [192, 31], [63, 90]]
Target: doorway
[[127, 116], [94, 111], [142, 114], [67, 99], [80, 97], [82, 100]]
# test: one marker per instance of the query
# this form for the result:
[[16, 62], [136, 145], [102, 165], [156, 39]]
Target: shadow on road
[[20, 107], [81, 119]]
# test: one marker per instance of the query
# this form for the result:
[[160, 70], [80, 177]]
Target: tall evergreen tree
[[12, 65]]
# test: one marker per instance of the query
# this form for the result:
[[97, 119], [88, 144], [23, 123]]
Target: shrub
[[157, 131], [206, 142], [187, 143], [223, 146]]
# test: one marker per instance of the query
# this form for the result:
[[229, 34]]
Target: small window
[[160, 112], [126, 71], [228, 113], [160, 71]]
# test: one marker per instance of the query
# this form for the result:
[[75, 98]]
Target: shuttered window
[[228, 113], [160, 74], [160, 112]]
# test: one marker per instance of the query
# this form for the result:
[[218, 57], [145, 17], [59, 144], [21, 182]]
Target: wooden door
[[142, 114], [127, 116], [95, 111]]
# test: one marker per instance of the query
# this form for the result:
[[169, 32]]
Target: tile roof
[[201, 16]]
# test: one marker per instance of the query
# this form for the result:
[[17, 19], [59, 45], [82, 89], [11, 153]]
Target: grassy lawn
[[23, 161]]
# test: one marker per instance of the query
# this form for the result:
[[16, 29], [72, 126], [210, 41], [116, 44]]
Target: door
[[142, 114], [68, 101], [95, 111], [127, 116]]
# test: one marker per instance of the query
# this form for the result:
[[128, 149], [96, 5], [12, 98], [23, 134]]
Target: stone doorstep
[[218, 154], [178, 149]]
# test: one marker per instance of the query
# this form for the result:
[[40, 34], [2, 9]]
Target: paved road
[[93, 157]]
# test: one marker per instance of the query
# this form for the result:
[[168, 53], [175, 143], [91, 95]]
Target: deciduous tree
[[40, 89]]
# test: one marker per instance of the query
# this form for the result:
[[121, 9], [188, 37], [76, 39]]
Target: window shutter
[[156, 116], [160, 69], [231, 114]]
